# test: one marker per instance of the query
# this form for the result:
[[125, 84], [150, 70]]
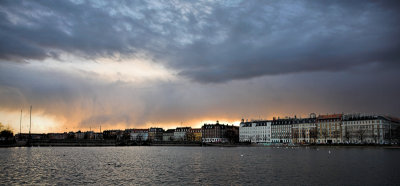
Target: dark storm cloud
[[208, 42], [85, 99]]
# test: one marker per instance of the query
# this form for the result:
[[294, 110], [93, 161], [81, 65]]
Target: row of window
[[248, 136], [363, 122], [257, 131]]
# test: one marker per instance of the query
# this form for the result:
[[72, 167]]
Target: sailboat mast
[[30, 121], [20, 123]]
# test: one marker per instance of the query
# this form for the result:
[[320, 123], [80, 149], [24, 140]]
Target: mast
[[30, 121], [20, 128]]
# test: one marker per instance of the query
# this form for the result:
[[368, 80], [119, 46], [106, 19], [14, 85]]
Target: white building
[[180, 133], [324, 129], [359, 129], [255, 131], [281, 130]]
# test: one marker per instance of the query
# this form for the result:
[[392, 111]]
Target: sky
[[136, 64]]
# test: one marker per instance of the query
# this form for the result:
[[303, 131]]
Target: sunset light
[[306, 79]]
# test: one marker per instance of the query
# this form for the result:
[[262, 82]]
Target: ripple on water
[[195, 165]]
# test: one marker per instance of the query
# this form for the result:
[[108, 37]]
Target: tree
[[257, 138], [295, 135], [360, 133], [86, 135], [126, 136], [313, 134], [374, 136], [231, 136], [303, 134], [336, 133], [325, 134], [139, 138], [347, 134], [395, 134], [71, 135], [5, 132]]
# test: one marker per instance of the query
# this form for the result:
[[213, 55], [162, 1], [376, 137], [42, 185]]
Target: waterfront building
[[371, 129], [194, 135], [89, 135], [57, 136], [169, 135], [304, 130], [180, 133], [34, 136], [329, 128], [98, 135], [71, 135], [255, 131], [281, 130], [139, 135], [156, 134], [112, 134], [219, 133], [80, 135]]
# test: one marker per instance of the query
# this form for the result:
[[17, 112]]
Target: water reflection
[[199, 165]]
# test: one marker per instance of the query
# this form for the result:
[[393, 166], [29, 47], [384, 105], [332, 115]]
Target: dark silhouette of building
[[220, 133]]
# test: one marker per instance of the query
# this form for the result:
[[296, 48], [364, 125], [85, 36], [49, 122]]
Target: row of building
[[323, 129], [211, 133]]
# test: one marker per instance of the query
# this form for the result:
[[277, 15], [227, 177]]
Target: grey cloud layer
[[86, 100], [208, 41]]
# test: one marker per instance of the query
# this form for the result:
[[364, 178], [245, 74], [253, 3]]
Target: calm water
[[199, 165]]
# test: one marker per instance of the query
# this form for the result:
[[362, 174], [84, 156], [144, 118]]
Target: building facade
[[281, 130], [156, 134], [329, 128], [304, 130], [57, 136], [194, 135], [255, 131], [169, 135], [219, 133], [370, 129], [112, 134], [180, 133], [139, 135]]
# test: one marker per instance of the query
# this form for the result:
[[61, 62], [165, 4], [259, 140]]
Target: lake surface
[[199, 165]]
